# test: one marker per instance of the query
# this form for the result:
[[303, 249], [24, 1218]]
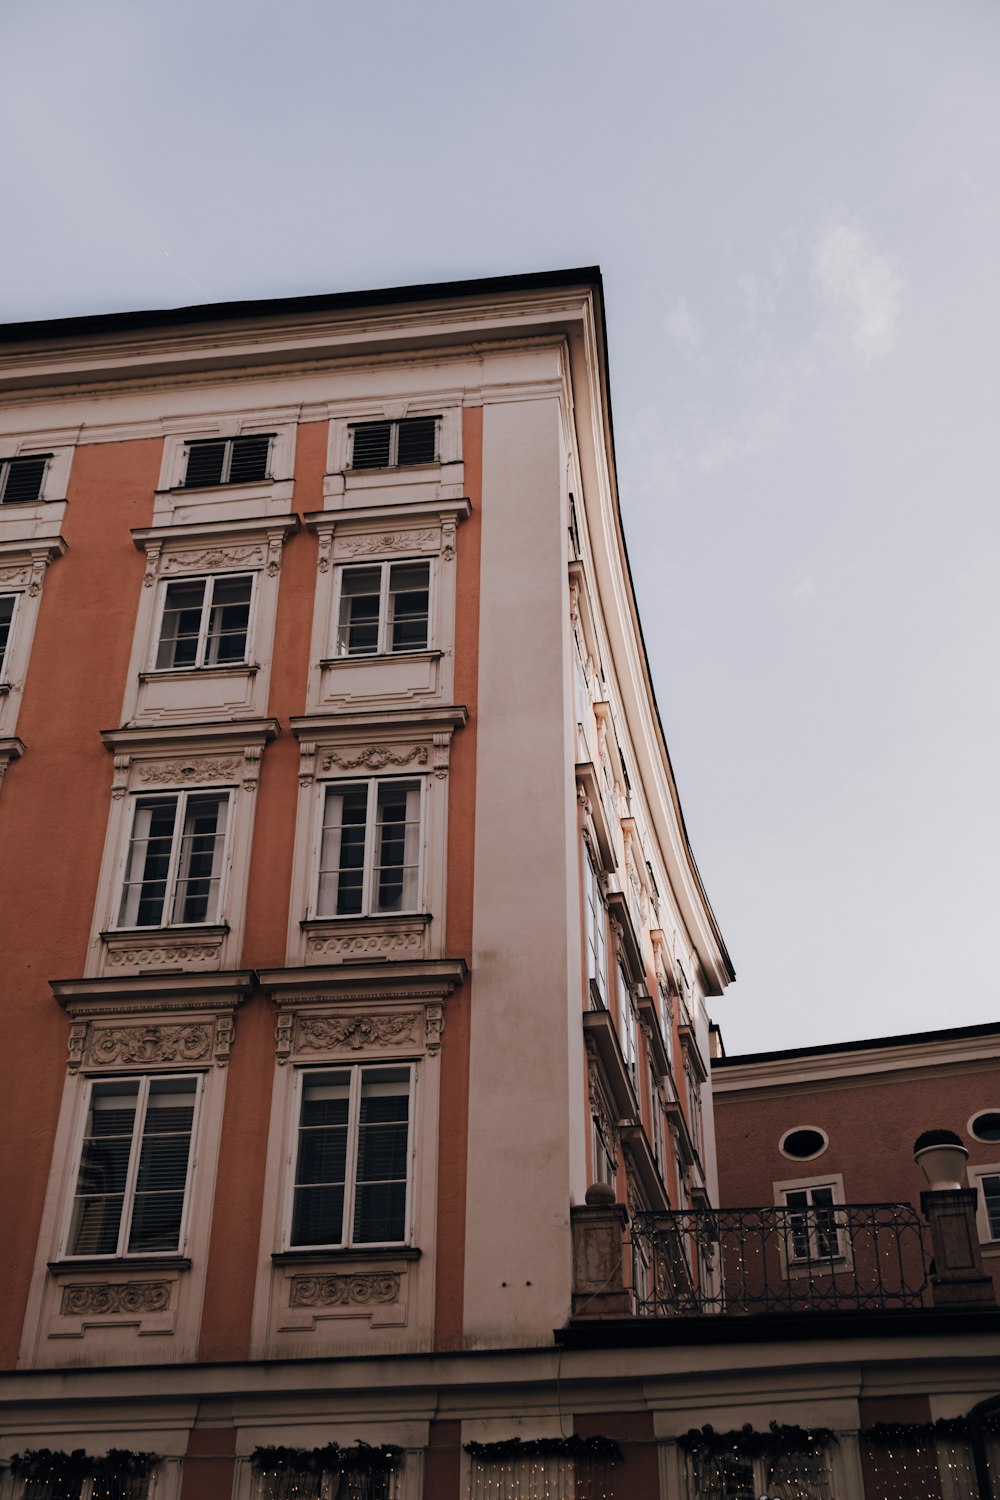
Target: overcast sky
[[795, 206]]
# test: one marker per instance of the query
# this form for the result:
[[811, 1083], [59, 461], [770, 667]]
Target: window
[[384, 609], [7, 603], [986, 1126], [393, 445], [737, 1476], [627, 1027], [989, 1201], [119, 1475], [352, 1162], [811, 1231], [595, 919], [134, 1167], [173, 874], [370, 849], [239, 460], [206, 622], [803, 1143], [21, 479]]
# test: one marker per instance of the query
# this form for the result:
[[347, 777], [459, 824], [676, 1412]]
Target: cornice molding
[[419, 721], [329, 985], [373, 517], [144, 537], [107, 996], [181, 739]]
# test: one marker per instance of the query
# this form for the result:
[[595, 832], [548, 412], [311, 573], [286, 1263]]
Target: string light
[[573, 1468]]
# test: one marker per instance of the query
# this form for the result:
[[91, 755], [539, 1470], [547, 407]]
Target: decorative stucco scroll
[[147, 1045], [375, 758], [338, 1291], [115, 1297], [333, 1033]]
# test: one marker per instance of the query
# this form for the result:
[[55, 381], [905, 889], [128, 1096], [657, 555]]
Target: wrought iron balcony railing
[[829, 1258]]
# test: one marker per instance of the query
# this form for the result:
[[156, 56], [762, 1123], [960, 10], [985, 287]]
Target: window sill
[[120, 1263], [328, 662], [251, 485], [182, 674], [361, 1252], [393, 469], [4, 689], [217, 930], [36, 504]]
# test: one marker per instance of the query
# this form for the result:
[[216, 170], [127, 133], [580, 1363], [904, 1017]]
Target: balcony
[[858, 1257]]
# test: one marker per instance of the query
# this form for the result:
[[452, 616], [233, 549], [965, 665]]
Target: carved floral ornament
[[361, 1032], [102, 1298], [359, 1290], [194, 770], [374, 758], [151, 1045]]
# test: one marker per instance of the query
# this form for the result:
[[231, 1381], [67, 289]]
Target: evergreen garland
[[510, 1449], [747, 1442], [332, 1458], [66, 1472], [884, 1433]]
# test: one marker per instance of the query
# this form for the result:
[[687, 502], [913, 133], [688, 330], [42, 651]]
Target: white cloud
[[684, 328], [859, 287]]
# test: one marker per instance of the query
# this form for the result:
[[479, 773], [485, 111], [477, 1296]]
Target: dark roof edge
[[865, 1044], [267, 307]]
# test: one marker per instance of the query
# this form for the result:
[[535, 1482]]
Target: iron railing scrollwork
[[825, 1258]]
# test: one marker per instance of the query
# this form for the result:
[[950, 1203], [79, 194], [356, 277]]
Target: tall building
[[359, 1138]]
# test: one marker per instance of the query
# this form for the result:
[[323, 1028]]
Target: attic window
[[393, 445], [21, 479], [240, 460]]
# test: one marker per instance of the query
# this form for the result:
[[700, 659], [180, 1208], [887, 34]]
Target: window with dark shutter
[[21, 479], [242, 460], [391, 445]]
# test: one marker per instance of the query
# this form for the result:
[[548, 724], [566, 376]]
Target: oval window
[[803, 1143], [986, 1127]]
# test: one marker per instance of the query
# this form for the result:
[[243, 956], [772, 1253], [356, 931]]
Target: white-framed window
[[8, 609], [69, 1484], [813, 1226], [371, 847], [134, 1171], [393, 445], [232, 460], [987, 1180], [205, 622], [595, 917], [383, 608], [628, 1027], [22, 480], [353, 1156], [736, 1476], [175, 860]]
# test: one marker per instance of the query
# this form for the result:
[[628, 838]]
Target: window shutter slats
[[371, 445], [249, 460], [23, 480], [205, 464], [417, 441]]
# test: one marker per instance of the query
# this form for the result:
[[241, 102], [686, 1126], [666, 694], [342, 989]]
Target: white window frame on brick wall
[[394, 426], [376, 789], [595, 919], [179, 864], [385, 621], [208, 637], [818, 1247], [8, 629], [229, 446], [988, 1222], [146, 1083], [359, 1077]]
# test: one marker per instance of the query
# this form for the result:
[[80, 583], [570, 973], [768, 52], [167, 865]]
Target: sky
[[795, 207]]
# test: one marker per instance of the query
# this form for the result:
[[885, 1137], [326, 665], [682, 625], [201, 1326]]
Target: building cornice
[[925, 1054]]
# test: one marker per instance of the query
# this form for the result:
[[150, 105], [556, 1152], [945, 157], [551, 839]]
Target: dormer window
[[239, 460], [21, 479], [393, 445]]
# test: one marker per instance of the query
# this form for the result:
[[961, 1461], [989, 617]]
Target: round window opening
[[986, 1127], [803, 1144]]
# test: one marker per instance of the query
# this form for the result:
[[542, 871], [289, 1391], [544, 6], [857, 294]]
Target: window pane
[[21, 479], [6, 615], [199, 870], [383, 1132], [990, 1189], [148, 864], [205, 463], [248, 461], [370, 448], [417, 440], [100, 1190], [181, 625], [342, 853], [228, 620], [409, 585], [321, 1168], [357, 632], [163, 1165], [397, 847]]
